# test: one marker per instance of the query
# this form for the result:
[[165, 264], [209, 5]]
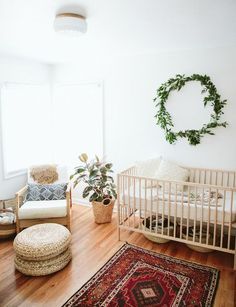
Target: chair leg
[[68, 224], [118, 233], [17, 226]]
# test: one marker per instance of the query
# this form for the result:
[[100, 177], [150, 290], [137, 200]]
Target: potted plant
[[99, 186]]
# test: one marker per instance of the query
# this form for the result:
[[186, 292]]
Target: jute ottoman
[[42, 249]]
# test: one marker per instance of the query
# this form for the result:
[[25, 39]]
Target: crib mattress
[[154, 203]]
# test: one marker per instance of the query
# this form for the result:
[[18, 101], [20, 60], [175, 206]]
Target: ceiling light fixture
[[70, 23]]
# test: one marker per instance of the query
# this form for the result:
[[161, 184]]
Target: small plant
[[95, 174]]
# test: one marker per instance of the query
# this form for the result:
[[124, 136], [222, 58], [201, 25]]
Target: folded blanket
[[206, 198], [7, 217]]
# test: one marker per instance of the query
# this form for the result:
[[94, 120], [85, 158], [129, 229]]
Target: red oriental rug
[[138, 277]]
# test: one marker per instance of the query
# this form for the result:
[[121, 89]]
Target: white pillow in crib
[[171, 171], [148, 168]]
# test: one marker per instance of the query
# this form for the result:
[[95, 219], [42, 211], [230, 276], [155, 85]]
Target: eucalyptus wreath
[[163, 117]]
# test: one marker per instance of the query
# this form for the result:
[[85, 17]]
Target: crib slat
[[163, 207], [216, 178], [118, 205], [181, 219], [157, 207], [195, 215], [201, 220], [215, 224], [211, 176], [169, 203], [134, 193], [123, 204], [227, 179], [151, 206], [129, 211], [145, 203], [230, 218], [175, 210], [187, 233], [223, 221], [204, 176], [209, 217]]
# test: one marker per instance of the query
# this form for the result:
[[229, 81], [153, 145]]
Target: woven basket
[[7, 230], [159, 230], [103, 210], [199, 249]]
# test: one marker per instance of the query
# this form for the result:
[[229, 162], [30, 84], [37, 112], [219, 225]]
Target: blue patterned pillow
[[46, 192]]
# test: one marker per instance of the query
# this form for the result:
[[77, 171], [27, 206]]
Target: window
[[78, 121], [37, 129], [26, 128]]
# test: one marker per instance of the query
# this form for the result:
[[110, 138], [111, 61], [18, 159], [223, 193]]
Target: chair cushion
[[46, 192], [43, 209]]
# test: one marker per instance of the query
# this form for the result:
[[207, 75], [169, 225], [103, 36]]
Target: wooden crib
[[204, 206]]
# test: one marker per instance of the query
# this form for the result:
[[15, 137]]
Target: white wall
[[130, 83], [19, 70]]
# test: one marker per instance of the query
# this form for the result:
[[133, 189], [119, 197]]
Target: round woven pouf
[[42, 241], [43, 267], [42, 249]]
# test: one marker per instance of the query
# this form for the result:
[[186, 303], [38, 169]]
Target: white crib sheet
[[144, 198]]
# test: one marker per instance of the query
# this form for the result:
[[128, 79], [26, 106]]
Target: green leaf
[[108, 165], [80, 170]]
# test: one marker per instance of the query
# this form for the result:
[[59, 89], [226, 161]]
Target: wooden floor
[[92, 246]]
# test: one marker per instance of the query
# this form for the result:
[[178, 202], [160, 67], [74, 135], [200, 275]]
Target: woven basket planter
[[103, 210]]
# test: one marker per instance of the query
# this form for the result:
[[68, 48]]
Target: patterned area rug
[[138, 277]]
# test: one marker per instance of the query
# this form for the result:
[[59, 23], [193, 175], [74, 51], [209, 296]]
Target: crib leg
[[118, 233], [235, 255]]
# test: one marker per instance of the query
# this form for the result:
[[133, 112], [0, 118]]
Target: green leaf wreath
[[163, 117]]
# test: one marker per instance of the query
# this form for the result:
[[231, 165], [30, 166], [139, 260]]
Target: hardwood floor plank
[[92, 246]]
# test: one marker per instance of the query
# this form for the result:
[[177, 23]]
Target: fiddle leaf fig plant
[[99, 184]]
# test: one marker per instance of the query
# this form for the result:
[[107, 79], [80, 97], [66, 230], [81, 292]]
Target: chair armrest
[[68, 188], [19, 198], [68, 197], [22, 191]]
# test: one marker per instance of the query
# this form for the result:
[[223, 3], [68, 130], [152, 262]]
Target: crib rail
[[200, 212]]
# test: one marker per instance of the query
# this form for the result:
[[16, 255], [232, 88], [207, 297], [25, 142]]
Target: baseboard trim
[[81, 201], [86, 203]]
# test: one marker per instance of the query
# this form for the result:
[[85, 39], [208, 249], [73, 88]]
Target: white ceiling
[[115, 27]]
